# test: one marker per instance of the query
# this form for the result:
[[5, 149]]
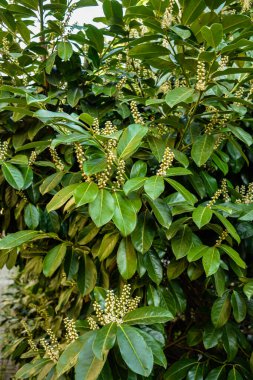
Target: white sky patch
[[86, 15]]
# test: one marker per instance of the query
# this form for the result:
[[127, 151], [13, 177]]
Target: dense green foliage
[[126, 158]]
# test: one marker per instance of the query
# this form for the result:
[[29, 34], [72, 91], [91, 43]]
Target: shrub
[[126, 193]]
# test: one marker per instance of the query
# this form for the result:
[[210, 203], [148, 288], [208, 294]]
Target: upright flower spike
[[136, 114], [30, 341], [71, 332], [214, 198], [3, 150], [222, 237], [166, 163], [95, 126], [49, 350], [56, 159], [167, 18], [116, 307], [32, 158]]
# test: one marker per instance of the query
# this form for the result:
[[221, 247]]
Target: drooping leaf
[[132, 346], [211, 261], [148, 315], [179, 369], [143, 235], [202, 216], [65, 50], [13, 175], [60, 198], [85, 193], [17, 238]]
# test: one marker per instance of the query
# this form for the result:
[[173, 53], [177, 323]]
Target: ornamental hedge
[[126, 189]]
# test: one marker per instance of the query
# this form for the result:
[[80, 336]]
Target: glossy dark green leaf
[[132, 346], [202, 149], [134, 184], [96, 37], [143, 235], [216, 373], [65, 50], [211, 337], [104, 340], [154, 267], [233, 255], [159, 357], [202, 216], [179, 95], [85, 193], [126, 259], [161, 211], [189, 197], [176, 268], [211, 261], [130, 140], [88, 367], [74, 95], [213, 34], [69, 356], [148, 50], [124, 216], [13, 175], [234, 374], [181, 243], [230, 228], [179, 369], [220, 311], [154, 186], [31, 216], [239, 306], [102, 208]]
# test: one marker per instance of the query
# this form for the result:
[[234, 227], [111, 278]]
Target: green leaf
[[87, 275], [130, 140], [233, 22], [202, 149], [88, 367], [104, 340], [154, 267], [213, 34], [159, 357], [211, 261], [216, 373], [148, 315], [16, 239], [96, 37], [229, 227], [31, 216], [13, 175], [51, 182], [68, 358], [133, 184], [173, 172], [234, 374], [242, 135], [248, 289], [154, 186], [28, 370], [113, 12], [239, 306], [53, 259], [189, 197], [102, 208], [179, 369], [195, 253], [191, 10], [211, 337], [161, 211], [181, 243], [85, 193], [124, 216], [143, 235], [107, 245], [220, 311], [74, 95], [132, 347], [126, 259], [201, 216], [176, 268], [65, 50], [233, 255], [95, 165], [179, 95], [157, 146], [148, 50], [60, 198]]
